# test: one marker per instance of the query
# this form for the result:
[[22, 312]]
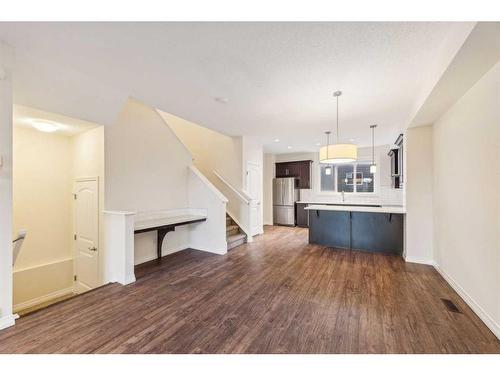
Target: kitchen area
[[349, 206]]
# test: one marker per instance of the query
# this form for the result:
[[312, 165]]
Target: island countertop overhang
[[384, 209]]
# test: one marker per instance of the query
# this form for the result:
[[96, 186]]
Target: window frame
[[376, 180]]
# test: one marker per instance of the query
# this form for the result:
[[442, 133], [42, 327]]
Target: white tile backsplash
[[385, 196]]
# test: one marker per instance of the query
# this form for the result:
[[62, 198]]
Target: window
[[345, 178], [349, 178]]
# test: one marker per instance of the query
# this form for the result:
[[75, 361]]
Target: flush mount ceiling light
[[276, 140], [45, 126], [221, 100], [373, 166], [338, 152]]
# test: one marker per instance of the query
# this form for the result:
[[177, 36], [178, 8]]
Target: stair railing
[[238, 206]]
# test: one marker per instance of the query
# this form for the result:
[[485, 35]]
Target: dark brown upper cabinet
[[396, 156], [300, 169]]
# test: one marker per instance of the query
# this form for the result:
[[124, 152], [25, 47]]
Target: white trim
[[42, 299], [85, 179], [205, 180], [42, 265], [221, 251], [420, 261], [242, 195], [7, 321], [483, 315], [151, 257]]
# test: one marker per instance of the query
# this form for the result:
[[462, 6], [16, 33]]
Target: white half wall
[[418, 185], [466, 197], [35, 285], [211, 234], [6, 317]]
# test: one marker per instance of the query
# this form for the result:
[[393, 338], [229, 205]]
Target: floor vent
[[451, 306]]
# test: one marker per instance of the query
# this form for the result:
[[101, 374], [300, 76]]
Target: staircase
[[234, 235]]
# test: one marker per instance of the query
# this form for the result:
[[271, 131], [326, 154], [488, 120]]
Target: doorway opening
[[58, 175]]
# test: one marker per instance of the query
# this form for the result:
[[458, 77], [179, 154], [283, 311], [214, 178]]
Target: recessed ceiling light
[[289, 147], [221, 99], [45, 126], [351, 139], [276, 140], [318, 144]]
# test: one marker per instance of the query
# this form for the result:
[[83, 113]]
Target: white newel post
[[6, 317], [119, 245], [249, 221]]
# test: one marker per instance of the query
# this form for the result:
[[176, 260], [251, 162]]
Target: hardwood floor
[[275, 295]]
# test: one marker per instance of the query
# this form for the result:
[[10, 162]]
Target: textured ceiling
[[278, 78]]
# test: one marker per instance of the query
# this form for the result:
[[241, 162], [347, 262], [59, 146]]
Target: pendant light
[[373, 166], [338, 152]]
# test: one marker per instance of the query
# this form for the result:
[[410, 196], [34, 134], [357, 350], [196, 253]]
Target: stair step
[[230, 228], [236, 240]]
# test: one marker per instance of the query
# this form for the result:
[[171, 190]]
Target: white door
[[86, 235], [254, 189]]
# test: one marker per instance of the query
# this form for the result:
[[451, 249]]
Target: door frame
[[99, 258], [261, 194]]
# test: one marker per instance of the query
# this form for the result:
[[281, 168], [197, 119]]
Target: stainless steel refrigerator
[[285, 194]]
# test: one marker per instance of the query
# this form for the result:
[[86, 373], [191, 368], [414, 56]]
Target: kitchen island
[[369, 228]]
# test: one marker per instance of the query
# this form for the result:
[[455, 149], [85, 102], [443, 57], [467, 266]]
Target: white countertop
[[384, 209], [158, 222]]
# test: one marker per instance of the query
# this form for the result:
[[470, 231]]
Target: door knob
[[93, 248]]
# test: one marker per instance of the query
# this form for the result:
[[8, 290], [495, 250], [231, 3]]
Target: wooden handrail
[[242, 195]]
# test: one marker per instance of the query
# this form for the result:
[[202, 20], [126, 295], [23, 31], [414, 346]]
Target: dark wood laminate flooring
[[275, 295]]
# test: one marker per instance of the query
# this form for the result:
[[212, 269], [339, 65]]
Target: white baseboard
[[420, 261], [7, 321], [42, 299], [483, 315], [221, 251], [153, 255]]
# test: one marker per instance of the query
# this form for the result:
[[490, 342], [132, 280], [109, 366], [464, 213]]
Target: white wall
[[418, 185], [384, 195], [466, 195], [146, 170], [267, 199], [42, 204], [6, 317], [210, 150], [228, 156]]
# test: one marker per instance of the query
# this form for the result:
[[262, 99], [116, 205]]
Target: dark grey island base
[[367, 231]]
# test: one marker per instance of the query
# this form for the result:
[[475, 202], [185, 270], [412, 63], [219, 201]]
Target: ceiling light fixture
[[338, 152], [45, 126], [221, 100], [373, 167], [289, 147], [276, 140]]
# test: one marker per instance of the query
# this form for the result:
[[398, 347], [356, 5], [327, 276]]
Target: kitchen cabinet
[[367, 231], [302, 215], [300, 169], [396, 156]]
